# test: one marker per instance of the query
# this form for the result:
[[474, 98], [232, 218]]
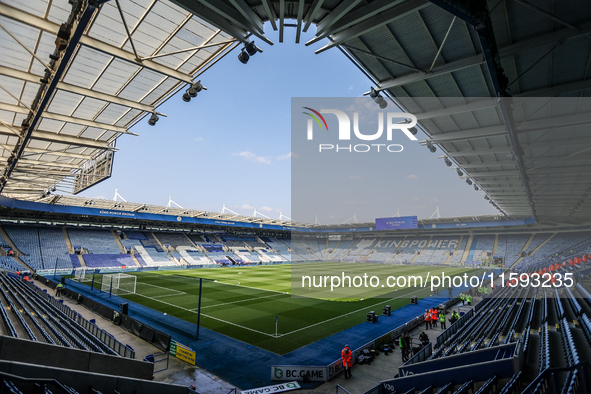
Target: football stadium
[[448, 252]]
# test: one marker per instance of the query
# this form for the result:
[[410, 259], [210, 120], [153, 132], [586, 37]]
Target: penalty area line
[[208, 316]]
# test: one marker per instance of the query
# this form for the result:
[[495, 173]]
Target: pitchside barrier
[[325, 373], [112, 270]]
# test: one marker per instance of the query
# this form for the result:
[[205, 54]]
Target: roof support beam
[[53, 28], [299, 19], [464, 135], [312, 12], [63, 139], [80, 16], [269, 13], [64, 118], [352, 18], [227, 18], [340, 10], [510, 50], [476, 152], [458, 109], [389, 16], [76, 89], [29, 162]]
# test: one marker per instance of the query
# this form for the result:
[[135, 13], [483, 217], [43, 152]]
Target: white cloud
[[250, 156], [266, 209], [246, 206], [332, 217], [197, 139], [412, 176], [415, 199], [286, 156]]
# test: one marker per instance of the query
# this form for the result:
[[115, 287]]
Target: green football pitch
[[243, 302]]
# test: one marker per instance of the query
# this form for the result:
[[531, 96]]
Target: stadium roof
[[529, 156]]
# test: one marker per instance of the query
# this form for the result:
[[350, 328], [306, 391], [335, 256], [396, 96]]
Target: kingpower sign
[[182, 352]]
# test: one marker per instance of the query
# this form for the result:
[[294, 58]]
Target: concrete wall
[[25, 351], [82, 381]]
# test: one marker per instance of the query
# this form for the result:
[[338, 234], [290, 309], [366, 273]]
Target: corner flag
[[275, 318]]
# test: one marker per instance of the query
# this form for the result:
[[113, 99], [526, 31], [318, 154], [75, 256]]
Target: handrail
[[342, 388], [551, 371]]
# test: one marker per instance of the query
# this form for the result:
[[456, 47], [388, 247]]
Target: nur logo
[[394, 121]]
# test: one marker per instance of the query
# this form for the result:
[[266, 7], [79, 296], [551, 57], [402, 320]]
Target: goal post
[[119, 284], [83, 274]]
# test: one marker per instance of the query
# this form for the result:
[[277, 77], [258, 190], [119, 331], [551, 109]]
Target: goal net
[[83, 274], [119, 283]]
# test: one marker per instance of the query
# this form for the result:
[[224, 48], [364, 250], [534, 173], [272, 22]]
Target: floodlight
[[251, 49], [375, 95], [192, 92], [198, 86], [413, 130], [476, 187], [243, 56], [154, 118], [486, 197], [460, 173], [431, 147], [468, 181], [381, 102], [448, 162]]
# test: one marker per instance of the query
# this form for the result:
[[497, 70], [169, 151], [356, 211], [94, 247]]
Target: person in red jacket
[[427, 319], [434, 318], [347, 357]]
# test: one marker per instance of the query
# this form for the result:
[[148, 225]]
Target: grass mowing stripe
[[349, 313], [166, 288], [235, 302], [229, 284], [238, 325]]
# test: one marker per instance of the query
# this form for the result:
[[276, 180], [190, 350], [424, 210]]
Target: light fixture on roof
[[250, 49], [153, 119], [469, 181], [486, 197], [413, 130], [431, 147], [447, 162], [460, 173], [375, 95], [476, 187], [192, 91]]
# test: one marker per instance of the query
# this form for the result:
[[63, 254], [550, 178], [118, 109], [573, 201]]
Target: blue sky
[[231, 144]]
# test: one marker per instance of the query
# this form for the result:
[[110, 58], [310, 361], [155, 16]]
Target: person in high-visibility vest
[[434, 318], [347, 357], [427, 319], [463, 298], [455, 316], [59, 289], [442, 319], [469, 299]]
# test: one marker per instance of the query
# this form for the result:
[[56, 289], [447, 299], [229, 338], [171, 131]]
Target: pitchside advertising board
[[399, 223], [298, 372], [182, 352], [276, 388]]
